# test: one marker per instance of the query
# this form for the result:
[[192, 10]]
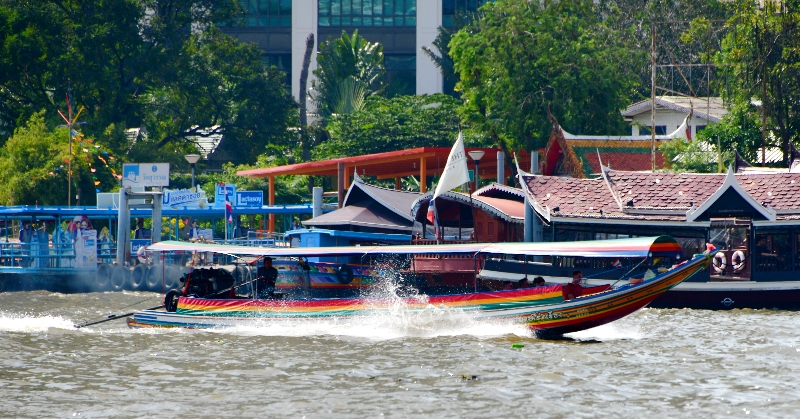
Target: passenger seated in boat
[[538, 281], [523, 283], [265, 278], [508, 286], [574, 288]]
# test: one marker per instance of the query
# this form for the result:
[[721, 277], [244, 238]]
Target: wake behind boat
[[546, 310]]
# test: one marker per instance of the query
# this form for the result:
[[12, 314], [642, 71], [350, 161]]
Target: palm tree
[[349, 70]]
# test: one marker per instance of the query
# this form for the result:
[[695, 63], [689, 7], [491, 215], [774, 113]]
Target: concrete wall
[[429, 18]]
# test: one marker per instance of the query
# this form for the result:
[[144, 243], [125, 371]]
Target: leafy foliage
[[157, 64], [522, 56], [348, 70], [392, 124], [762, 55], [34, 167]]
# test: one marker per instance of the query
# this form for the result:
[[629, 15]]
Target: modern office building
[[280, 29]]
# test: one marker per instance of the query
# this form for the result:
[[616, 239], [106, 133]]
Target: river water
[[655, 364]]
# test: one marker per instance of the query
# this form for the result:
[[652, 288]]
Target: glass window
[[270, 12], [773, 252], [350, 13], [452, 8]]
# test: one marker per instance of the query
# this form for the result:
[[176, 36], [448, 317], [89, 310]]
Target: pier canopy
[[419, 162]]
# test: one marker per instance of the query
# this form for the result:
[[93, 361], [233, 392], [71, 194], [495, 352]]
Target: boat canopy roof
[[662, 246]]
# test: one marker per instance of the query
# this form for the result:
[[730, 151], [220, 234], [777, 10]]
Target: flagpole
[[225, 218]]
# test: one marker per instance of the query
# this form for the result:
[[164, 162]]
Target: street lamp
[[192, 159], [476, 155]]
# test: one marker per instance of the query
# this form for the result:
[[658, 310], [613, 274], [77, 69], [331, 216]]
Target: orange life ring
[[737, 260], [719, 263]]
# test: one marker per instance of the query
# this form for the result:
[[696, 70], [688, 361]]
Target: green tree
[[348, 70], [158, 64], [34, 166], [761, 53], [392, 124], [521, 57]]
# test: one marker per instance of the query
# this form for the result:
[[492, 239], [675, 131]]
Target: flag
[[228, 209], [455, 171], [433, 217], [617, 264]]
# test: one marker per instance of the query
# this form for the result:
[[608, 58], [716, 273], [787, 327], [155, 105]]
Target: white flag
[[455, 172]]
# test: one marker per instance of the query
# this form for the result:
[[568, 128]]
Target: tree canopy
[[521, 57], [34, 166], [158, 64], [392, 124]]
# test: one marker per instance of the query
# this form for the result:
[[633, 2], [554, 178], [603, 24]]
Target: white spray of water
[[395, 322], [10, 322]]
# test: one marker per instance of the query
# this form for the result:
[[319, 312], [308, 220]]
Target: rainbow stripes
[[542, 309]]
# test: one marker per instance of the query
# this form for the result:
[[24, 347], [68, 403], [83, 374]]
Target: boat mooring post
[[123, 226]]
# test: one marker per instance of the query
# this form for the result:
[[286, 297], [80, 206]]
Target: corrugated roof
[[711, 109]]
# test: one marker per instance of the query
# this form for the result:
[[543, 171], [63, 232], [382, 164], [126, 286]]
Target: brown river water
[[653, 364]]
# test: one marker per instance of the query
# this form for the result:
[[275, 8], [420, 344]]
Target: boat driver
[[265, 278], [574, 288]]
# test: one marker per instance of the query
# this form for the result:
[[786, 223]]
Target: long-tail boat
[[206, 302]]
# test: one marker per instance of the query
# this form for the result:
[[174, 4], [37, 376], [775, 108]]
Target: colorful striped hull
[[543, 309]]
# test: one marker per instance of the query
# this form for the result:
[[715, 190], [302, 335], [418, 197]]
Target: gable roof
[[577, 155], [508, 210], [711, 109], [399, 202], [368, 214]]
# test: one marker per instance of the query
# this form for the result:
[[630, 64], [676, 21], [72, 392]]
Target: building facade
[[280, 29]]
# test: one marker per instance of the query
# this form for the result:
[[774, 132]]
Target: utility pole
[[653, 96]]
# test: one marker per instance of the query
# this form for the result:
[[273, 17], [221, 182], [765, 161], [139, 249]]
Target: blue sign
[[249, 199], [221, 191]]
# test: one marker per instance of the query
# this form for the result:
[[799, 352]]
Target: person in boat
[[524, 283], [574, 288], [538, 281], [265, 278], [508, 286]]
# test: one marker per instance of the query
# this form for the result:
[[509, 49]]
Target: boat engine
[[209, 283]]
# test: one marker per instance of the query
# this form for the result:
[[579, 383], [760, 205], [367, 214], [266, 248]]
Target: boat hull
[[542, 309]]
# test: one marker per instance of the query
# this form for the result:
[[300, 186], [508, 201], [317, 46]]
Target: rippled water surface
[[655, 363]]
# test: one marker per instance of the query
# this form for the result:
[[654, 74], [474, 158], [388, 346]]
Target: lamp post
[[192, 159], [476, 155]]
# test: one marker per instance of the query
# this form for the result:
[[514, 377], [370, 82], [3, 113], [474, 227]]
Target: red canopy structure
[[419, 162]]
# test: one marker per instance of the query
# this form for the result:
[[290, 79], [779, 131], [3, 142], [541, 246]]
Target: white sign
[[86, 248], [184, 198], [145, 174]]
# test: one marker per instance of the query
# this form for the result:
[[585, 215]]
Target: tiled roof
[[662, 190], [781, 191], [656, 196]]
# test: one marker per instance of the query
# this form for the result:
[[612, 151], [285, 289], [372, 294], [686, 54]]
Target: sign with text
[[145, 174], [222, 190], [184, 198], [249, 199]]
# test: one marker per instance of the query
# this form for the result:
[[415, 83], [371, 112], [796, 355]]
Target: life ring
[[719, 263], [141, 254], [737, 260], [345, 274]]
